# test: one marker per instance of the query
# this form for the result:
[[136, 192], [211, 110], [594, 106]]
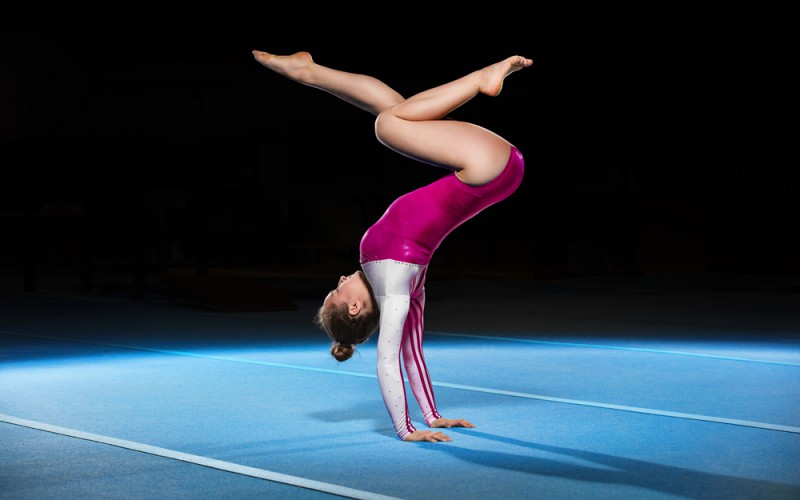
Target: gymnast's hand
[[427, 436], [449, 422]]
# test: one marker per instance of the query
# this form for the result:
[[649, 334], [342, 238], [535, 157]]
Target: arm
[[414, 359], [394, 310], [401, 329], [392, 284], [394, 315], [417, 370]]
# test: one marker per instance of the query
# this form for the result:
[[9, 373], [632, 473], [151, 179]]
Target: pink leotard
[[395, 253]]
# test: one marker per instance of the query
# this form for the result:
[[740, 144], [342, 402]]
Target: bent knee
[[383, 124]]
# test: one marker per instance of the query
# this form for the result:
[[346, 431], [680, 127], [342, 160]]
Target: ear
[[355, 308]]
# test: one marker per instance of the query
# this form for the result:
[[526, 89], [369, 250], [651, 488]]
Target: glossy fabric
[[415, 224]]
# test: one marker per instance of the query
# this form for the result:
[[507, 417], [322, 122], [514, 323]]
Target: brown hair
[[346, 330]]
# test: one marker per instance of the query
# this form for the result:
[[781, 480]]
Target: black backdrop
[[140, 137]]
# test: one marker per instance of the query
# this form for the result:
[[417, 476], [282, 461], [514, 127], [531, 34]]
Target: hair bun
[[342, 352]]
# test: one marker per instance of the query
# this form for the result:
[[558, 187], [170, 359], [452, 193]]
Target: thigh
[[477, 155]]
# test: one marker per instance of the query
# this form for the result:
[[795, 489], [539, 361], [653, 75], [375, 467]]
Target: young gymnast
[[388, 293]]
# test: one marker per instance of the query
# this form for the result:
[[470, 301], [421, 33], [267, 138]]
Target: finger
[[438, 439], [436, 436]]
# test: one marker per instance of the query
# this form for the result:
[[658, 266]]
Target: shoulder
[[389, 277]]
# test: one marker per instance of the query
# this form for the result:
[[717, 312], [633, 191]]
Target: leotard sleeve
[[399, 292], [414, 359]]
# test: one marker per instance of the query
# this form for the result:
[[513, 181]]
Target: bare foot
[[294, 66], [495, 74]]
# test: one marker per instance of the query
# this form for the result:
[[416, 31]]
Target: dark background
[[141, 146]]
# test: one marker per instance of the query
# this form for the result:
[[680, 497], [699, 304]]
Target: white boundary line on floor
[[198, 460], [633, 409], [622, 348]]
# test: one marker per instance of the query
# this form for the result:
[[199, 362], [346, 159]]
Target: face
[[351, 290]]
